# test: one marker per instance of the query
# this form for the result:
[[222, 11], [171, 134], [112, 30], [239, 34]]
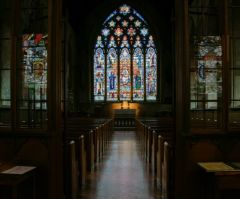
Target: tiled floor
[[122, 174]]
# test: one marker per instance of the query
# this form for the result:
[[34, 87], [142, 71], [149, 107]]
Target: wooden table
[[13, 176], [219, 176]]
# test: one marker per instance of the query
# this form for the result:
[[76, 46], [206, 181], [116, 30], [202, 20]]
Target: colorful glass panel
[[125, 42], [137, 42], [144, 31], [99, 75], [137, 23], [118, 32], [112, 42], [206, 82], [34, 48], [105, 32], [151, 74], [118, 18], [125, 75], [112, 75], [99, 43], [124, 23], [150, 41], [131, 31], [112, 24], [138, 75], [124, 9]]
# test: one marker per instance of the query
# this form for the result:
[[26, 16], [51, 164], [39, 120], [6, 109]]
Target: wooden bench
[[81, 158], [97, 134], [157, 140], [74, 134], [157, 148], [72, 172], [145, 128], [167, 172]]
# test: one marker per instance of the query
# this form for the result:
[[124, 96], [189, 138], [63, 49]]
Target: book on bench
[[18, 170], [215, 166]]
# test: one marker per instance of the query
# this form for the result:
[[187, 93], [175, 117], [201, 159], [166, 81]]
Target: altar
[[124, 119]]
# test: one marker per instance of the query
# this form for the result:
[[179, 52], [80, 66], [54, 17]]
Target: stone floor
[[122, 173]]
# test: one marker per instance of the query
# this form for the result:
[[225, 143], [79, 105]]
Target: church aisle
[[122, 174]]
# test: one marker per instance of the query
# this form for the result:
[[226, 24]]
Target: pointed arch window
[[125, 59]]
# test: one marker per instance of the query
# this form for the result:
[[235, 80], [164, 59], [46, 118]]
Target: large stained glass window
[[125, 59]]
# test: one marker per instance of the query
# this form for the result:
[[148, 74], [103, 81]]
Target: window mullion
[[105, 73], [131, 72], [144, 75], [118, 68]]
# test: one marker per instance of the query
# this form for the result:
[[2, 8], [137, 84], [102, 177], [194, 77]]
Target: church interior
[[129, 99]]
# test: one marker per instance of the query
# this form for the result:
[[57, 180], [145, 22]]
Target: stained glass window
[[35, 69], [128, 57], [205, 65], [125, 75], [99, 74], [138, 75], [206, 83], [32, 86], [112, 70], [151, 71]]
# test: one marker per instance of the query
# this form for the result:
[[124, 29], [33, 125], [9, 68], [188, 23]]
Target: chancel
[[119, 99]]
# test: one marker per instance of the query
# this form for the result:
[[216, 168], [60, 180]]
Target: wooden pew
[[140, 137], [74, 134], [157, 147], [72, 171], [167, 172], [152, 135], [81, 157], [97, 133], [152, 144], [163, 125], [90, 129], [86, 142], [160, 160]]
